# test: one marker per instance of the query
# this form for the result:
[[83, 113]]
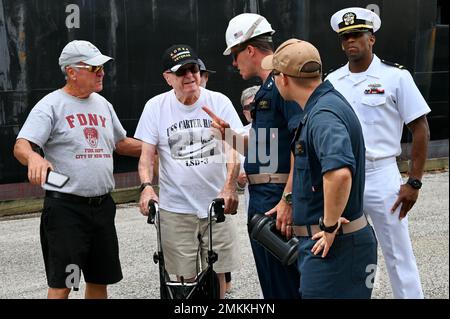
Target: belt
[[266, 178], [381, 162], [92, 201], [311, 230]]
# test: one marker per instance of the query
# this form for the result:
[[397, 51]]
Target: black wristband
[[144, 185], [326, 229]]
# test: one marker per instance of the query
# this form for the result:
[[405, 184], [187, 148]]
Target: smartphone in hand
[[56, 179]]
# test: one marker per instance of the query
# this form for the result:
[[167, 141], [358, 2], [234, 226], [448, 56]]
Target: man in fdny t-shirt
[[78, 130]]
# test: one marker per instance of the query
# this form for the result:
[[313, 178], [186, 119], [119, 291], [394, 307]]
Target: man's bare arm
[[239, 142], [283, 209], [145, 168], [129, 147], [407, 196], [37, 165], [337, 185], [336, 192], [228, 192]]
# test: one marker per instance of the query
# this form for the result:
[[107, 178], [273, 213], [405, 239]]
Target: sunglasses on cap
[[193, 68], [90, 68]]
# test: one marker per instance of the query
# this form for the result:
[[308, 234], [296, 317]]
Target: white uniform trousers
[[382, 187]]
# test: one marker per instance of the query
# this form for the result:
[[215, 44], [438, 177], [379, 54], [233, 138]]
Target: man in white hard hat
[[385, 97], [249, 40], [78, 130]]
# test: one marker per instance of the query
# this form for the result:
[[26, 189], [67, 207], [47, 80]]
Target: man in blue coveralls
[[249, 40], [337, 247]]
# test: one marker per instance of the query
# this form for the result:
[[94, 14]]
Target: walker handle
[[218, 205], [152, 209]]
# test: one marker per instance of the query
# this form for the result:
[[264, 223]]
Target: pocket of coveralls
[[372, 109], [364, 255], [304, 174]]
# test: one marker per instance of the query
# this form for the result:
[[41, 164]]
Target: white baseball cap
[[81, 51]]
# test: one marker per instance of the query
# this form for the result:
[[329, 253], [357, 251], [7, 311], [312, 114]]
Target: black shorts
[[78, 236]]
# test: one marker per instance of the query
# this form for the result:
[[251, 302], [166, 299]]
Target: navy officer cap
[[355, 19]]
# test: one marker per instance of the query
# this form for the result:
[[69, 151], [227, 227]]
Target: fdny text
[[84, 120]]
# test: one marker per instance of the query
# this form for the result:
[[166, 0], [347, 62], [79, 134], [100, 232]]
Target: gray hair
[[249, 93], [64, 70]]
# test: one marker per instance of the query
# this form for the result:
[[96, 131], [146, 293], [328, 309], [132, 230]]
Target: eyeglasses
[[90, 68], [236, 53], [248, 107], [275, 72], [194, 68]]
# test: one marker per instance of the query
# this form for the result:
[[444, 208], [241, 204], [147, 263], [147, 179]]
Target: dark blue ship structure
[[414, 33]]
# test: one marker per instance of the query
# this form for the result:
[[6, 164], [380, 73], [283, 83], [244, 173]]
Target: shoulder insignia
[[395, 65], [333, 69]]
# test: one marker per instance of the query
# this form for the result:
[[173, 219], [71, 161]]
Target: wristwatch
[[288, 197], [414, 183], [144, 185], [326, 229]]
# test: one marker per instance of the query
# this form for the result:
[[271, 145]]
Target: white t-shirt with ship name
[[192, 167]]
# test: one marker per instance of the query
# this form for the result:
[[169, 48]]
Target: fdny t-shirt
[[78, 136]]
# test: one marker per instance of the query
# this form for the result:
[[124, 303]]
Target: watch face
[[288, 197], [415, 183]]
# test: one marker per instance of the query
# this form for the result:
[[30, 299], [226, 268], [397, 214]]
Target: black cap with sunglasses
[[178, 55]]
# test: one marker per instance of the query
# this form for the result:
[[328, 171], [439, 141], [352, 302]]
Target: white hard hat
[[244, 27]]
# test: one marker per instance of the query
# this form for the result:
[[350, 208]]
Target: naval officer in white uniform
[[384, 96]]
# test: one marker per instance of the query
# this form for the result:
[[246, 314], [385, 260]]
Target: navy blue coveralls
[[329, 137], [271, 111]]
